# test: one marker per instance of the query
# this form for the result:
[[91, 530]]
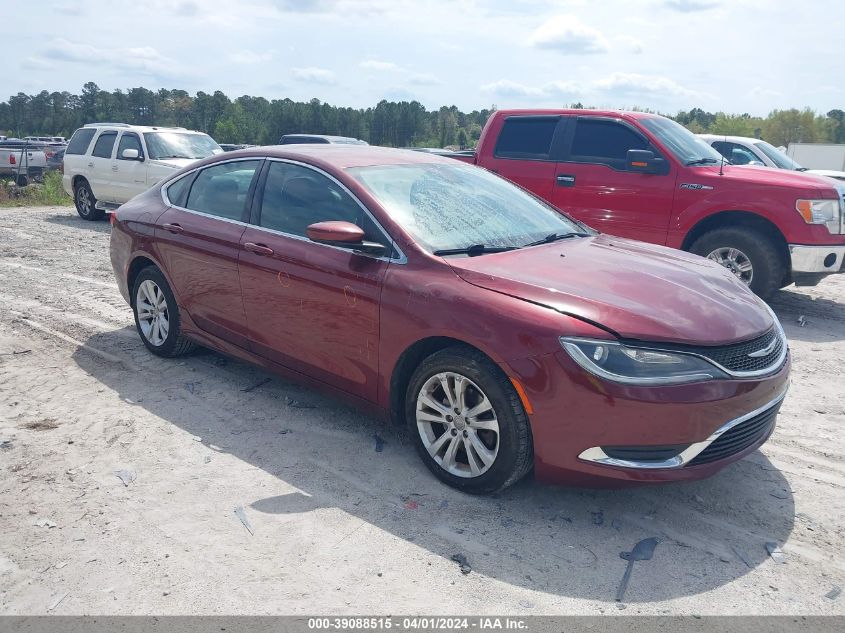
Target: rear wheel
[[157, 315], [86, 203], [748, 254], [467, 421]]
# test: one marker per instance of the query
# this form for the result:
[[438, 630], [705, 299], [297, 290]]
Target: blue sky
[[732, 55]]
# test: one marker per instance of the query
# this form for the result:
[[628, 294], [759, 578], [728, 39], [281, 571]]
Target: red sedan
[[506, 335]]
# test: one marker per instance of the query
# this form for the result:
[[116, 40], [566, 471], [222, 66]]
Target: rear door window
[[604, 143], [80, 140], [222, 190], [104, 145], [526, 137]]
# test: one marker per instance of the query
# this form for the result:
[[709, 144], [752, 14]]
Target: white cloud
[[632, 43], [568, 35], [689, 6], [635, 84], [508, 88], [374, 64], [425, 79], [250, 57], [315, 75], [339, 7], [142, 59], [759, 91]]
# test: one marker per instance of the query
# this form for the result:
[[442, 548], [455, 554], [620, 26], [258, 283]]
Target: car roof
[[730, 139], [141, 128], [578, 112], [343, 156]]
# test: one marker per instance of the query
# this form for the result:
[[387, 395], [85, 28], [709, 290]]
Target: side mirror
[[643, 161], [131, 154], [344, 235]]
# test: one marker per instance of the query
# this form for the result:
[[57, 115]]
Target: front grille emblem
[[760, 353]]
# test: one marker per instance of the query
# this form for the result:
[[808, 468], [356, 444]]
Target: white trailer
[[818, 155]]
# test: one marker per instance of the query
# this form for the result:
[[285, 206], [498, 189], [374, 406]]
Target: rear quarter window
[[526, 137], [80, 140]]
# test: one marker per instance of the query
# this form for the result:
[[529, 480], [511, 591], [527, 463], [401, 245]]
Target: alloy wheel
[[153, 313], [83, 198], [457, 424], [734, 260]]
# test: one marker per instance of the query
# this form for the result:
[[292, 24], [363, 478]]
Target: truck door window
[[604, 143], [526, 138], [104, 145], [129, 141]]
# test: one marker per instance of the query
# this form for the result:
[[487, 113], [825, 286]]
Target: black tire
[[86, 203], [515, 455], [768, 270], [174, 344]]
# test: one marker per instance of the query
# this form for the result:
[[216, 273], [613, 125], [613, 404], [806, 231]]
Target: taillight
[[12, 159], [112, 218]]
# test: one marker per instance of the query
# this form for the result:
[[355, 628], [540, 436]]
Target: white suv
[[107, 164]]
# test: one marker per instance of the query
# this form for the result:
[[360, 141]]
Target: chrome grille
[[735, 358]]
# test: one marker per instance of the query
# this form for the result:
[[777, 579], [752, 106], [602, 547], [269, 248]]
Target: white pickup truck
[[22, 161]]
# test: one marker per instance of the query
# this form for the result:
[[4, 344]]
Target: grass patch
[[49, 193]]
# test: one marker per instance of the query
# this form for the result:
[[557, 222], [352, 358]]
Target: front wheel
[[86, 203], [157, 315], [750, 255], [467, 421]]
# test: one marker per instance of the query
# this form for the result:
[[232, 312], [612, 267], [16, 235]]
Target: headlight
[[638, 366], [825, 212]]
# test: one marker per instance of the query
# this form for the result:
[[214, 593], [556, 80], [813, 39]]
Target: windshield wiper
[[172, 156], [703, 161], [475, 249], [554, 237], [802, 169]]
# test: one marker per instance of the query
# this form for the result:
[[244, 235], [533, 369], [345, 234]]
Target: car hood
[[637, 290], [774, 177], [175, 163]]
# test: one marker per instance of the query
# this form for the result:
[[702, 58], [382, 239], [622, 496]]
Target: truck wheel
[[748, 254], [86, 202], [467, 422]]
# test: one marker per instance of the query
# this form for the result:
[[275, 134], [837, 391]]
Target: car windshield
[[685, 145], [162, 145], [777, 157], [458, 206]]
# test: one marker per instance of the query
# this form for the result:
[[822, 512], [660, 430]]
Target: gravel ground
[[336, 526]]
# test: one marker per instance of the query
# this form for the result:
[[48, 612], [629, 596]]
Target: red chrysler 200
[[505, 335]]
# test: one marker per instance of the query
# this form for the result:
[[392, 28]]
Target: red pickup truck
[[646, 177]]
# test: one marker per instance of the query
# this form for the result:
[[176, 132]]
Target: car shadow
[[72, 219], [808, 318], [558, 540]]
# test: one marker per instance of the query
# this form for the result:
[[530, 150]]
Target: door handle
[[565, 180], [258, 249], [173, 228], [91, 164], [114, 167]]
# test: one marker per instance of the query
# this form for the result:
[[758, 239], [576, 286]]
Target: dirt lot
[[339, 526]]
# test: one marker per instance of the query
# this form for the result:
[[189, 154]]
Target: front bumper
[[576, 413], [817, 259]]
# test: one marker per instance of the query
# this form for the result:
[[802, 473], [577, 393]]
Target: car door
[[524, 152], [198, 241], [99, 171], [593, 184], [129, 174], [312, 307]]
